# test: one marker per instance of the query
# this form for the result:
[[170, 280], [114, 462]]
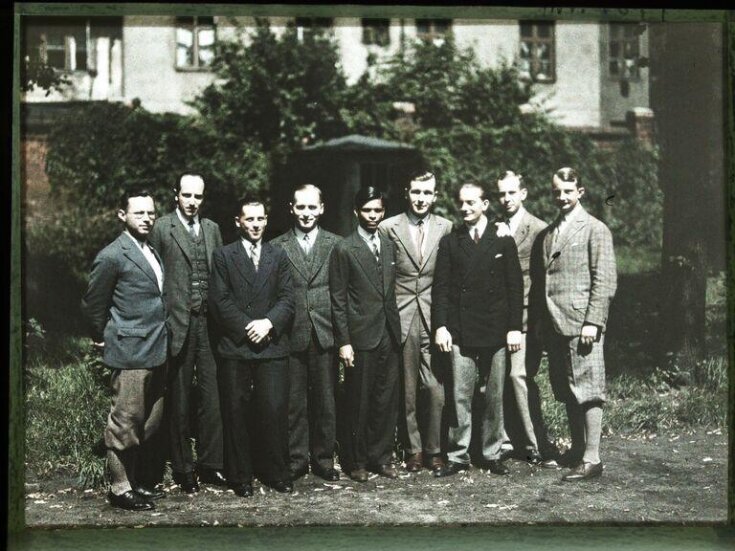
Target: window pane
[[56, 58], [184, 38], [525, 50], [206, 37], [184, 56], [613, 67], [205, 20], [543, 30], [543, 51], [442, 25], [526, 29], [614, 49], [422, 26]]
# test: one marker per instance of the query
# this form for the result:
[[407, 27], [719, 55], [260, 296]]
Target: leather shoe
[[496, 466], [282, 486], [149, 493], [212, 476], [583, 471], [187, 482], [299, 472], [242, 490], [330, 473], [359, 475], [414, 463], [130, 501], [450, 469], [535, 459], [387, 470]]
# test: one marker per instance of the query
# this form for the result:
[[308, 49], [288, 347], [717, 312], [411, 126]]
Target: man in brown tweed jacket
[[573, 282]]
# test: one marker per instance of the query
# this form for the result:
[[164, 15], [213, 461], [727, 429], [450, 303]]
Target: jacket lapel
[[436, 231], [574, 226], [208, 234], [404, 237], [366, 260], [385, 245], [181, 236], [135, 255], [296, 255], [242, 262], [264, 266], [523, 230], [318, 255]]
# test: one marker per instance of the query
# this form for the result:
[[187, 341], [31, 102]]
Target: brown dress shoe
[[414, 463], [387, 470], [437, 463], [583, 471], [359, 474]]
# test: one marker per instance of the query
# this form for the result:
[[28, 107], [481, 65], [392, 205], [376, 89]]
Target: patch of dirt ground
[[672, 478]]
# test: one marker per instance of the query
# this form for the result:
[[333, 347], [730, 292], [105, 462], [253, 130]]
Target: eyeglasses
[[142, 214]]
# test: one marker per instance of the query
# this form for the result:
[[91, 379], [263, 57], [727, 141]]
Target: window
[[433, 30], [61, 43], [537, 59], [195, 42], [624, 50], [306, 26], [376, 32]]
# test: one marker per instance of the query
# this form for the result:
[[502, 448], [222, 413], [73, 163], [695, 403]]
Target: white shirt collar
[[368, 237], [141, 244], [249, 244], [572, 214], [312, 234], [480, 225], [515, 220], [414, 220], [185, 220]]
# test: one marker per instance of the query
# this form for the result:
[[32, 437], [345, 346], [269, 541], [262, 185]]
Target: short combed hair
[[248, 200], [367, 194], [476, 184], [568, 174], [421, 176], [510, 174], [130, 193], [306, 187], [177, 184]]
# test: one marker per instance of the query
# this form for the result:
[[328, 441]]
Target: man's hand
[[513, 340], [443, 339], [257, 330], [588, 335], [347, 355]]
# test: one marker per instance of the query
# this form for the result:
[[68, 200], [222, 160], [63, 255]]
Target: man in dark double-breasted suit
[[186, 243], [124, 306], [368, 332], [312, 368], [477, 311], [251, 299]]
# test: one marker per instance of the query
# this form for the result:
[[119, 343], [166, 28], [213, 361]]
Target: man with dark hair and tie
[[251, 299], [186, 242], [573, 281], [525, 417], [312, 368], [477, 312], [368, 332], [416, 234], [125, 308]]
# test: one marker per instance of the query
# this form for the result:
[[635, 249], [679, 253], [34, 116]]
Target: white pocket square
[[498, 255]]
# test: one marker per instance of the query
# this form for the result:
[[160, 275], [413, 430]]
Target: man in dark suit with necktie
[[125, 308], [251, 299], [477, 312], [185, 242], [368, 332], [312, 368]]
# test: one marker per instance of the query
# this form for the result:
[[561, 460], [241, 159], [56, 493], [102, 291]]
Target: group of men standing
[[420, 316]]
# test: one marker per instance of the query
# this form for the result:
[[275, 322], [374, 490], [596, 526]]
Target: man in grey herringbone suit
[[416, 234], [312, 363], [573, 281]]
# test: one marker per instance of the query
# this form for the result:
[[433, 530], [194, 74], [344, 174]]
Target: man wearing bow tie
[[312, 409], [525, 415], [416, 234], [573, 280], [124, 305], [477, 313]]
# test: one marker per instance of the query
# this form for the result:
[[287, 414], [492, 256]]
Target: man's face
[[190, 195], [306, 208], [252, 222], [138, 216], [421, 195], [510, 195], [566, 194], [471, 204], [370, 215]]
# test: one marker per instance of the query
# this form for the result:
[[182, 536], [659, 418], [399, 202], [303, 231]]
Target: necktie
[[375, 248], [192, 231], [420, 224], [254, 256], [307, 244], [476, 236]]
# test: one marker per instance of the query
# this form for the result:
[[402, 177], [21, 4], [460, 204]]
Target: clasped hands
[[258, 330]]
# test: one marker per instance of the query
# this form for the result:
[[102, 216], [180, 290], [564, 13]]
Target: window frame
[[194, 28], [372, 29], [534, 41], [432, 35], [40, 46], [626, 71]]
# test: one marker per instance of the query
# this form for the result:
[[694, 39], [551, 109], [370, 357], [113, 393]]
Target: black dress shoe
[[534, 458], [415, 462], [496, 466], [570, 459], [212, 476], [299, 472], [450, 469], [387, 470], [359, 474], [149, 493], [242, 490], [330, 473], [583, 471], [187, 482], [130, 501], [282, 486]]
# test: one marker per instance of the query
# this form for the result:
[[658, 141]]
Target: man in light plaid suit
[[573, 282]]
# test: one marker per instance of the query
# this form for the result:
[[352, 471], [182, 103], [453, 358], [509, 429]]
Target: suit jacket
[[574, 280], [310, 276], [363, 293], [414, 278], [478, 288], [171, 239], [525, 235], [125, 308], [238, 295]]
